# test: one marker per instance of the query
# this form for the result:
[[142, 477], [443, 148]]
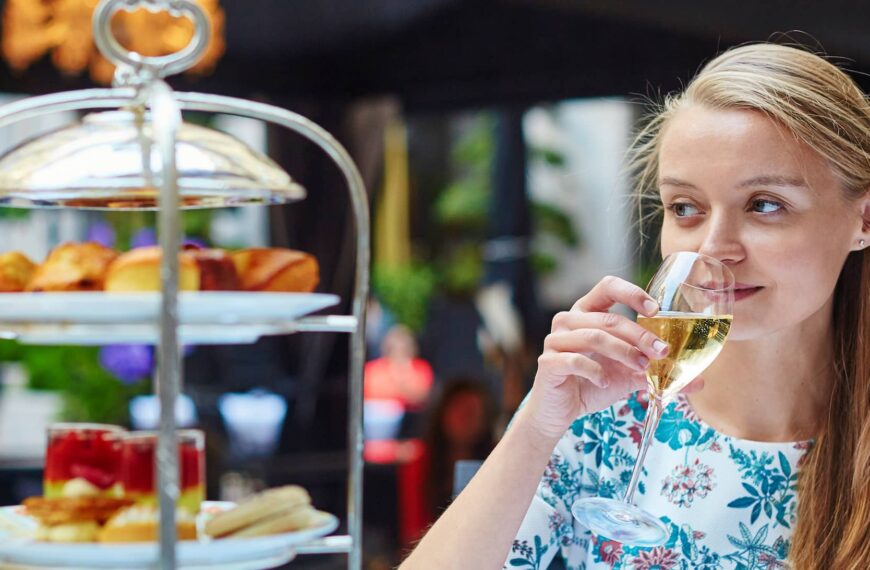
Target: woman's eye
[[766, 206], [683, 209]]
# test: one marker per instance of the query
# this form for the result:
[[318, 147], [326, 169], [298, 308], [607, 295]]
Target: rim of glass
[[145, 435], [85, 426], [727, 271]]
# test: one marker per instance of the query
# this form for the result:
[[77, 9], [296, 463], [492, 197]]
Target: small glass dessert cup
[[138, 453], [82, 460]]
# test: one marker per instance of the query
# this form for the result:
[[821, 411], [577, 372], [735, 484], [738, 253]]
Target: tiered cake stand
[[143, 156]]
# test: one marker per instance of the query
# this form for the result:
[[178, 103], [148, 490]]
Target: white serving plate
[[19, 550], [194, 307]]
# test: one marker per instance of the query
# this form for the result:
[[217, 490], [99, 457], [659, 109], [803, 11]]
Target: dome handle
[[134, 68]]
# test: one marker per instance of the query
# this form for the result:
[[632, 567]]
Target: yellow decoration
[[32, 28], [392, 223]]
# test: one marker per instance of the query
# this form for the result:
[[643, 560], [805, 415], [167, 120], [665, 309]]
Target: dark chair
[[463, 471]]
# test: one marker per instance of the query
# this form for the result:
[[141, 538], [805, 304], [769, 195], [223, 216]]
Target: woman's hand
[[592, 358]]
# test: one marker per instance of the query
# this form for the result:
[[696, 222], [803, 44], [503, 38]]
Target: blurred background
[[490, 135]]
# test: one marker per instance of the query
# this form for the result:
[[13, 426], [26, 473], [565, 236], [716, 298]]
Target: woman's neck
[[774, 388]]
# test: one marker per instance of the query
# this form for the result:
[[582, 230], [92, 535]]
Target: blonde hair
[[821, 106]]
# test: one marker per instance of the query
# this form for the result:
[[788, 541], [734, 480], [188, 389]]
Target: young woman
[[763, 163]]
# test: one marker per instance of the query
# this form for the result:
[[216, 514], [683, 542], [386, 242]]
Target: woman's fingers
[[612, 290], [564, 364], [597, 341], [617, 325]]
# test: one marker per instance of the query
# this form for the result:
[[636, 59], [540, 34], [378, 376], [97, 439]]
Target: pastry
[[199, 270], [264, 512], [72, 519], [15, 271], [139, 523], [62, 510], [216, 268], [276, 269], [85, 531], [73, 267]]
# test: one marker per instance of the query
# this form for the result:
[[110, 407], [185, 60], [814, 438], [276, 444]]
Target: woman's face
[[737, 187]]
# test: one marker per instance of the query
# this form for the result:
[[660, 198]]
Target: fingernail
[[643, 362], [660, 346], [650, 306]]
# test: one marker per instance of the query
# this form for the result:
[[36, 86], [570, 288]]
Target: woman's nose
[[723, 240]]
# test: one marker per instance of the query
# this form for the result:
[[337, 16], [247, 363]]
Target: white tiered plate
[[18, 550], [103, 318], [194, 307]]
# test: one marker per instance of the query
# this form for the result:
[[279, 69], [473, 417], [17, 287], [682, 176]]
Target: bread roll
[[277, 270], [16, 270], [199, 270], [73, 267]]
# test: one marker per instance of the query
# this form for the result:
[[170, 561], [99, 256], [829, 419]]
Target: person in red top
[[399, 374]]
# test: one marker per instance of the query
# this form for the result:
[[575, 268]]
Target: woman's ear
[[862, 239]]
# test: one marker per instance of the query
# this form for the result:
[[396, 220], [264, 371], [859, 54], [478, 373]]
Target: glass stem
[[650, 423]]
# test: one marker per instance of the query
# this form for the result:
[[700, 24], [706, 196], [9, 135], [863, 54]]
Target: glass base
[[620, 521]]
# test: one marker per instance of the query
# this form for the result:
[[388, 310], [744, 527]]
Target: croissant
[[73, 267]]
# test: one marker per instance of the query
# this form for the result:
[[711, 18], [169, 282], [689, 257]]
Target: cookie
[[258, 508]]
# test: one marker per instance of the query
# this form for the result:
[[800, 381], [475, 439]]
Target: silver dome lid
[[109, 161]]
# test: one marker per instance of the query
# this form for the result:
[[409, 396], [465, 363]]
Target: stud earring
[[861, 243]]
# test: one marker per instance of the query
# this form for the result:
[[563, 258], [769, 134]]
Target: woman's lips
[[743, 291]]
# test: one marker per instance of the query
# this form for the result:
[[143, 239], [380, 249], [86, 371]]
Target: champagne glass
[[695, 294]]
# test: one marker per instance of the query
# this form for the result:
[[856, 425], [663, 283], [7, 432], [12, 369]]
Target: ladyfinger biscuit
[[286, 521], [260, 506]]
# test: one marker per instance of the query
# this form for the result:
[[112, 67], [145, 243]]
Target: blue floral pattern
[[730, 504]]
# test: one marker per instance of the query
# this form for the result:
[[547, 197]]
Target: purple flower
[[195, 241], [129, 362], [143, 238], [148, 236], [102, 233]]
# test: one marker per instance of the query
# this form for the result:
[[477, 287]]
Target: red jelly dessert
[[138, 472], [82, 459]]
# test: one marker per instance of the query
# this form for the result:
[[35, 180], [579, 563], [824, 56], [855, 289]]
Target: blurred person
[[762, 163], [399, 374]]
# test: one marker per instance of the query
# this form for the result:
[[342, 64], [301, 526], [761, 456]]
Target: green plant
[[14, 213], [462, 211], [405, 292], [453, 263], [194, 223], [88, 391]]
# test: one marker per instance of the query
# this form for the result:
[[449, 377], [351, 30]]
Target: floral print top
[[730, 503]]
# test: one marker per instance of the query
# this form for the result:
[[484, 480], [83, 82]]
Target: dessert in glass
[[138, 475], [82, 460]]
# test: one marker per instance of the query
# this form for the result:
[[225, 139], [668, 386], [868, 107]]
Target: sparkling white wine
[[694, 340]]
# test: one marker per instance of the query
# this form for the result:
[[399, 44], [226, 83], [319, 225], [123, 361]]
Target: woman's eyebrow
[[773, 180], [671, 181], [762, 180]]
